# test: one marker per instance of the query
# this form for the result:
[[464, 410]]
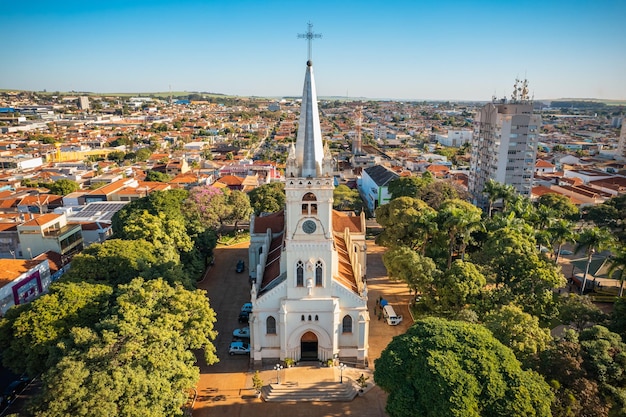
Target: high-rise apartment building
[[504, 146]]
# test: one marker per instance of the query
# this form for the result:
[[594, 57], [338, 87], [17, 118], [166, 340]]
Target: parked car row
[[239, 346]]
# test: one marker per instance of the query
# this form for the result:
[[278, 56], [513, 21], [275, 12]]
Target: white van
[[390, 316]]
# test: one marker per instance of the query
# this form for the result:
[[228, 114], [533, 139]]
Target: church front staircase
[[319, 391]]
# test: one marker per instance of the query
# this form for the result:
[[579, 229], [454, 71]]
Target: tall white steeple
[[309, 147]]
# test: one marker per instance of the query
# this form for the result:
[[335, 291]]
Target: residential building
[[504, 145], [374, 186], [307, 262], [455, 138], [21, 281], [49, 232]]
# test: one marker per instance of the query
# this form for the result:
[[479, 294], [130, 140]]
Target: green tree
[[459, 286], [618, 317], [496, 191], [458, 219], [437, 192], [407, 222], [240, 208], [345, 198], [617, 266], [32, 335], [118, 261], [417, 271], [143, 154], [520, 274], [157, 176], [579, 311], [117, 156], [268, 198], [167, 235], [446, 368], [407, 186], [561, 231], [577, 394], [590, 240], [604, 355], [137, 361], [559, 205], [63, 187], [518, 330]]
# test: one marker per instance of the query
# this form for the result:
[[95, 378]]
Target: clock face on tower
[[309, 226]]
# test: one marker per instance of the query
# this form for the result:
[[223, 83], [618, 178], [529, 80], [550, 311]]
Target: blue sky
[[414, 49]]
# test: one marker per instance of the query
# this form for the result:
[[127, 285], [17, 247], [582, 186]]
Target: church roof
[[272, 266], [309, 147], [273, 221], [345, 275], [342, 220]]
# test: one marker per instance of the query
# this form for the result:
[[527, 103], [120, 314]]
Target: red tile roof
[[274, 221], [543, 164], [13, 268], [342, 220], [344, 271]]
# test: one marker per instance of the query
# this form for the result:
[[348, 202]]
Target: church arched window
[[319, 274], [346, 324], [300, 274], [309, 204], [270, 325]]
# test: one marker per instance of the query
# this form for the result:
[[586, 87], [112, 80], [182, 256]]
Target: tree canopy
[[448, 368], [268, 198], [136, 361], [63, 187]]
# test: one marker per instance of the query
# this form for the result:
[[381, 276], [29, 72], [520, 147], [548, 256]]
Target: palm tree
[[618, 261], [496, 191], [459, 219], [561, 231], [591, 240], [492, 190]]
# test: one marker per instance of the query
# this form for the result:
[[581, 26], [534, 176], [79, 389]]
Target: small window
[[302, 317], [346, 324], [317, 318], [270, 325], [309, 317], [300, 274]]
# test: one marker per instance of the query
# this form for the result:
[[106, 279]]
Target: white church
[[307, 262]]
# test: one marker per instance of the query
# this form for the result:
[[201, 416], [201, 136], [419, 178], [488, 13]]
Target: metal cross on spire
[[309, 36]]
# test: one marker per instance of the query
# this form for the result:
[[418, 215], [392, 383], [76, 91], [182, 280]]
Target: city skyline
[[449, 50]]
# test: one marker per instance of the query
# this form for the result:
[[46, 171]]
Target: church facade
[[308, 261]]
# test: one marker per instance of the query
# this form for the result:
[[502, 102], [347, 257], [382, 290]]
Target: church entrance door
[[308, 347]]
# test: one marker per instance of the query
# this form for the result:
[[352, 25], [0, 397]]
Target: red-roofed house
[[21, 281]]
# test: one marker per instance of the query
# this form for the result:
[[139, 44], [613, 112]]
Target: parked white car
[[239, 348]]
